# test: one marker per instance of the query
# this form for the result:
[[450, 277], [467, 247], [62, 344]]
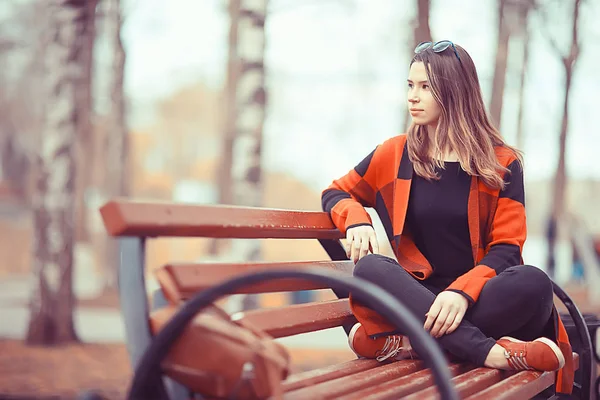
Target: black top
[[437, 219]]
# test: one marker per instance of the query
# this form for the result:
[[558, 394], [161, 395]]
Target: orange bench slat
[[338, 387], [466, 384], [182, 281], [522, 385], [396, 388], [152, 219], [282, 321], [315, 376], [300, 318]]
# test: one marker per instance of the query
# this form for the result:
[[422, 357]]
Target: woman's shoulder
[[506, 155], [391, 149], [395, 142]]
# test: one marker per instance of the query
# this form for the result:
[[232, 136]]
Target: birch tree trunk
[[240, 176], [250, 104], [52, 300]]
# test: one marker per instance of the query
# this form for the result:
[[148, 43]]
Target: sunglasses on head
[[438, 47]]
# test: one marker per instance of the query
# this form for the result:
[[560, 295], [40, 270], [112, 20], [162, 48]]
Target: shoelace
[[392, 346], [516, 361]]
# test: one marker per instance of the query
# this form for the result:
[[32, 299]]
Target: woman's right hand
[[359, 240]]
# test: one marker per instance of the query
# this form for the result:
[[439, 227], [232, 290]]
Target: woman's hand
[[446, 313], [359, 240]]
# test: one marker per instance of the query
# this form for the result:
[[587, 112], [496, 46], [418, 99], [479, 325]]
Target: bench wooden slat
[[282, 321], [315, 376], [338, 387], [151, 219], [300, 318], [466, 384], [522, 385], [397, 388], [182, 281]]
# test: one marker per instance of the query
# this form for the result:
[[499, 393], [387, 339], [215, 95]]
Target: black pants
[[518, 303]]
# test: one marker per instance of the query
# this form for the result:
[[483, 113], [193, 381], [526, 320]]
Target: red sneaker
[[542, 354], [383, 348]]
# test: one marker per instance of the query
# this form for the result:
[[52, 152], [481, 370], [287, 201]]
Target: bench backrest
[[183, 280], [153, 219]]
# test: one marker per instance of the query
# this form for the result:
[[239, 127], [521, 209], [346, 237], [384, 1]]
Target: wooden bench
[[134, 222]]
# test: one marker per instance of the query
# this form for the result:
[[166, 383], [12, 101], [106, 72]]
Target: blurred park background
[[259, 103]]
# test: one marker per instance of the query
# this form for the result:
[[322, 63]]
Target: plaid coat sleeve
[[505, 238], [346, 198]]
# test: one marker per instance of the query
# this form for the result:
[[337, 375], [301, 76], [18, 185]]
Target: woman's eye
[[410, 85], [425, 86]]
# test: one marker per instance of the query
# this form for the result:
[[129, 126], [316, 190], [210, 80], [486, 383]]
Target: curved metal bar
[[586, 356], [148, 369]]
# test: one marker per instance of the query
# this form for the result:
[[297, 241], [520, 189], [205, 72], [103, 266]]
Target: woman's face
[[423, 108]]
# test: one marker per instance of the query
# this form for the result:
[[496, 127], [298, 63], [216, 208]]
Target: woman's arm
[[346, 198]]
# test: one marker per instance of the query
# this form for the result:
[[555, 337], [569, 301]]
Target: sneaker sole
[[555, 349], [351, 336]]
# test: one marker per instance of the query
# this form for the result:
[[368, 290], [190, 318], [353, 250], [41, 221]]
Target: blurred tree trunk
[[52, 300], [250, 105], [230, 120], [84, 103], [117, 141], [499, 79], [560, 179], [224, 179], [421, 33], [251, 100], [520, 140], [524, 12], [14, 164], [20, 104]]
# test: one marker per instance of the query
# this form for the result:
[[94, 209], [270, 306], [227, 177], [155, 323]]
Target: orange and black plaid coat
[[496, 219]]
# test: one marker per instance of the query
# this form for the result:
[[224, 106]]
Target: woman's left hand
[[446, 313]]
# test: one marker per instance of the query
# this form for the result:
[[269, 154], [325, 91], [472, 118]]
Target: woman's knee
[[367, 264], [535, 284], [373, 267]]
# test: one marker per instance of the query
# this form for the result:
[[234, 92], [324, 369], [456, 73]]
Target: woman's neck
[[450, 156], [447, 155]]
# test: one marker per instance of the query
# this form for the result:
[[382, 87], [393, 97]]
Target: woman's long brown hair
[[464, 124]]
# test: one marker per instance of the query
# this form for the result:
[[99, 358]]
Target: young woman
[[450, 196]]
